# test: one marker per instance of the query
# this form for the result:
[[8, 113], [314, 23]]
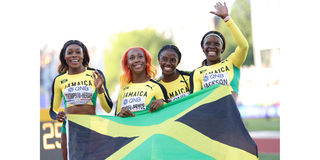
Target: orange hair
[[126, 77]]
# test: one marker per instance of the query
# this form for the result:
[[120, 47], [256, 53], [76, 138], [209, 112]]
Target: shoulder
[[158, 80], [185, 73], [199, 70], [60, 76], [155, 82], [93, 69]]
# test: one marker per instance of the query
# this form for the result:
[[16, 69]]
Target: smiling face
[[168, 61], [212, 48], [74, 56], [136, 61]]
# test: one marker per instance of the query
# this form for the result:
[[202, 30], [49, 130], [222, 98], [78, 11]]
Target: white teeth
[[139, 65], [167, 68], [211, 53]]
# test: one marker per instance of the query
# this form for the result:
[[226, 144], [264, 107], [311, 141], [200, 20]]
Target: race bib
[[80, 94], [215, 78], [179, 96], [134, 104]]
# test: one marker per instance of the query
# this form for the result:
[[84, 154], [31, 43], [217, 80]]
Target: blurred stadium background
[[259, 93]]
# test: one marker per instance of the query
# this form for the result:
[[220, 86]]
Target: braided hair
[[172, 47]]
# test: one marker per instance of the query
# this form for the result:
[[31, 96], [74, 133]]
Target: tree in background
[[241, 14], [147, 38]]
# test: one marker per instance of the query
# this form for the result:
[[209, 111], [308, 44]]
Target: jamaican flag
[[202, 126]]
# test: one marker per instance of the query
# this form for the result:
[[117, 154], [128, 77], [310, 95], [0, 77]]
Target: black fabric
[[191, 82], [53, 114], [221, 121], [164, 91], [86, 144]]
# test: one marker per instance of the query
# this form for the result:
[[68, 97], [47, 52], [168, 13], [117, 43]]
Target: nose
[[211, 45]]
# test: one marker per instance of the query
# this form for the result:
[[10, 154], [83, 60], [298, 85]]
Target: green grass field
[[269, 156], [264, 124]]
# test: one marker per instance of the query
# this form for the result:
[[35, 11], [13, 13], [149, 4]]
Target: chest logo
[[150, 86], [64, 81]]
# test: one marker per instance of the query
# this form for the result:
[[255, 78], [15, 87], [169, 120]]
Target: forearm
[[105, 101], [242, 44]]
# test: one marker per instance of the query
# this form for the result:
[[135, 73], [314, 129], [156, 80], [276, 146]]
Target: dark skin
[[212, 46], [137, 64], [168, 61], [74, 57]]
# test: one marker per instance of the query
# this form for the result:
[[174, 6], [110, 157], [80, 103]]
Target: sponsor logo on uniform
[[89, 75], [125, 101], [205, 78], [149, 86], [70, 89]]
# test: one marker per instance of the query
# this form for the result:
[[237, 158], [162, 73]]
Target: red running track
[[268, 145]]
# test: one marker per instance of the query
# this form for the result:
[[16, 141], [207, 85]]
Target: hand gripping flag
[[202, 126]]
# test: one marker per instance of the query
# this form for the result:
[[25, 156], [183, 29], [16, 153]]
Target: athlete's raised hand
[[155, 105], [98, 81], [221, 10], [125, 112]]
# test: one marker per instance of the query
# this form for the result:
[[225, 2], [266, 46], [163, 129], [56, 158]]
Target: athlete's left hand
[[221, 10], [98, 81], [155, 105]]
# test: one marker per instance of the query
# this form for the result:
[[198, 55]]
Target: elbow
[[245, 46], [53, 114]]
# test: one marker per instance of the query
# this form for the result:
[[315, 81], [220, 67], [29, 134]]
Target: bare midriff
[[82, 109]]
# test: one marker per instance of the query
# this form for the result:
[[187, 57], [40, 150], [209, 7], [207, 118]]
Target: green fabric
[[94, 98], [235, 81], [161, 147], [63, 128], [164, 114], [64, 101]]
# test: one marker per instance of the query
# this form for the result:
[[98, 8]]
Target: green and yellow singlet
[[227, 72], [77, 89], [178, 88], [137, 96]]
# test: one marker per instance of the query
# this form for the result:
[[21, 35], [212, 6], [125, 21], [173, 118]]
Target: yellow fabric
[[177, 88], [170, 127], [77, 89], [223, 71], [240, 54], [136, 96]]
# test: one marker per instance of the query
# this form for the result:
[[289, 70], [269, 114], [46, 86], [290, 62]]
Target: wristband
[[226, 18]]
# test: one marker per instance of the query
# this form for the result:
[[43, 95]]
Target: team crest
[[64, 81]]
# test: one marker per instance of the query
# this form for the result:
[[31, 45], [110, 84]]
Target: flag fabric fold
[[203, 125]]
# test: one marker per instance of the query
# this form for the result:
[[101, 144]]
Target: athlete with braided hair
[[175, 81]]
